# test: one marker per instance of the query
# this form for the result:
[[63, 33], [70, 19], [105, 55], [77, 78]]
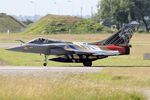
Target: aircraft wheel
[[45, 64], [87, 63], [45, 61]]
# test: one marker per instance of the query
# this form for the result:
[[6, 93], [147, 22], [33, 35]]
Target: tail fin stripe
[[113, 38], [117, 41], [122, 37]]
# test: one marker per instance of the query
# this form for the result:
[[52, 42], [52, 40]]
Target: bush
[[85, 25]]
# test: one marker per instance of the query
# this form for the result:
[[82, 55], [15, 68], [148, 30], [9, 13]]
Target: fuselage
[[67, 51]]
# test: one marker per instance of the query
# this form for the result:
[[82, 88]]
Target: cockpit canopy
[[43, 41]]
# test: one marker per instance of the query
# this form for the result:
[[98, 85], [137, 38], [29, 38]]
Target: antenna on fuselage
[[22, 42]]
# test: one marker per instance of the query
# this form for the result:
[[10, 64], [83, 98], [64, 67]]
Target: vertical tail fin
[[122, 37]]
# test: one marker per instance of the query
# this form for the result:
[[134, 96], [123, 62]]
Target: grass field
[[137, 38], [113, 83], [64, 88]]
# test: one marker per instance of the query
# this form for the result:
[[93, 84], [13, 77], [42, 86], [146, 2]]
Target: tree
[[140, 11], [123, 11], [115, 10]]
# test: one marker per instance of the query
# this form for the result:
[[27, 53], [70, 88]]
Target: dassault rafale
[[81, 52]]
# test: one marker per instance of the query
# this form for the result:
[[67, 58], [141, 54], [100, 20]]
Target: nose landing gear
[[45, 60]]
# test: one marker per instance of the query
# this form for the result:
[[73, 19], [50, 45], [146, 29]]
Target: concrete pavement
[[46, 71]]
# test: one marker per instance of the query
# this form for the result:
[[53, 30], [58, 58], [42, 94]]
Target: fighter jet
[[81, 52]]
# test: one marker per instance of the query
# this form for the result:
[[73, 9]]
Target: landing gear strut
[[45, 61], [87, 63]]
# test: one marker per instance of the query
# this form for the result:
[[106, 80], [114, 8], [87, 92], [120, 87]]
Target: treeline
[[119, 12]]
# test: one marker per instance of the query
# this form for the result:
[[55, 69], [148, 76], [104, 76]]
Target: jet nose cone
[[17, 49]]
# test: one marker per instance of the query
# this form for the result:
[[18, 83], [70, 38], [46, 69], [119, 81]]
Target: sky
[[43, 7]]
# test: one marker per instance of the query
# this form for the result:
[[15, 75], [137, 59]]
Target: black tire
[[87, 63], [45, 64]]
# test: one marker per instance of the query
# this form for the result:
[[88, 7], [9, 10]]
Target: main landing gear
[[45, 60], [87, 63]]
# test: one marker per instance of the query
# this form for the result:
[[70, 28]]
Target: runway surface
[[7, 45], [47, 71]]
